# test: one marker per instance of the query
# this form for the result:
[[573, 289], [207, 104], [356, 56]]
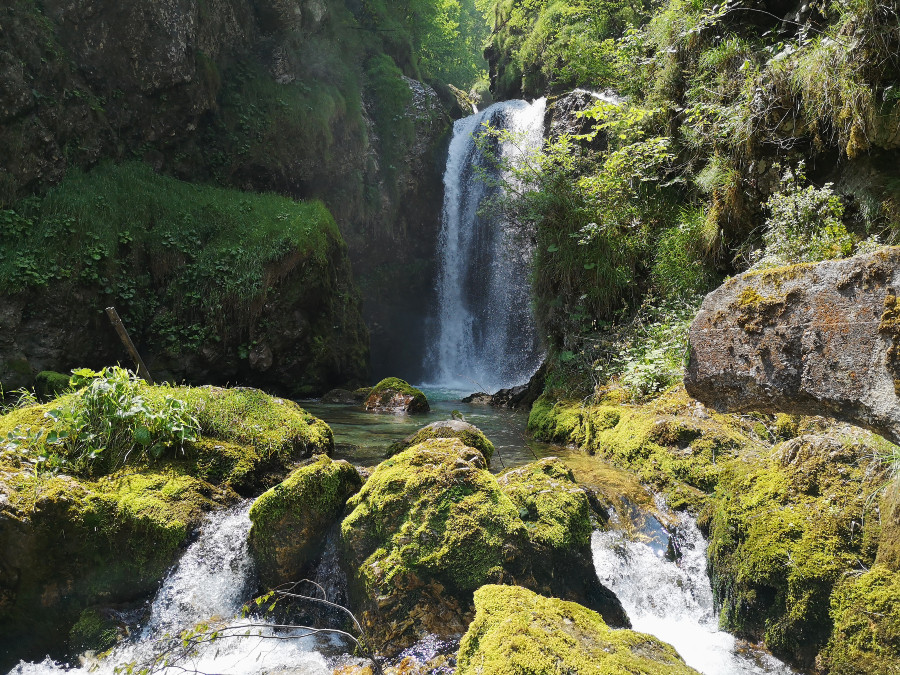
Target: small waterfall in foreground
[[484, 335], [212, 581], [674, 601]]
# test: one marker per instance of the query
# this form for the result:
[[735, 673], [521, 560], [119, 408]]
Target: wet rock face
[[813, 339]]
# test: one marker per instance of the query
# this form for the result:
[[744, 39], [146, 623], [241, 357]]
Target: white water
[[674, 601], [484, 335], [211, 583]]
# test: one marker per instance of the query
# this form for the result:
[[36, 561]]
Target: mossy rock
[[291, 520], [889, 541], [94, 631], [669, 443], [785, 529], [395, 395], [469, 434], [866, 614], [70, 542], [430, 526], [49, 384], [518, 632]]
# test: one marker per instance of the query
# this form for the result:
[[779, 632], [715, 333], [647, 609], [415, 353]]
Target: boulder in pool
[[469, 434], [395, 395], [517, 631]]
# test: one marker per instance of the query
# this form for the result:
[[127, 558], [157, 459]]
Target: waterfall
[[484, 333], [673, 600], [212, 581]]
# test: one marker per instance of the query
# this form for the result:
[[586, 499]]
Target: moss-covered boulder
[[866, 614], [672, 443], [516, 631], [469, 434], [429, 527], [291, 520], [49, 384], [394, 395], [784, 530], [557, 515], [107, 531]]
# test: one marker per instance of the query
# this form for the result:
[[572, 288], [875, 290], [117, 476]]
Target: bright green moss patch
[[552, 506], [273, 427], [290, 520], [866, 614], [517, 632], [664, 442], [469, 434]]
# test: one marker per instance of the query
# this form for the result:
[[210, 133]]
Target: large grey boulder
[[814, 339]]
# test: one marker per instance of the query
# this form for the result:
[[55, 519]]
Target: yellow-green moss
[[290, 520], [785, 528], [517, 632], [552, 506], [866, 614]]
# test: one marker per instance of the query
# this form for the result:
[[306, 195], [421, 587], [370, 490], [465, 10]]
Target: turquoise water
[[363, 437]]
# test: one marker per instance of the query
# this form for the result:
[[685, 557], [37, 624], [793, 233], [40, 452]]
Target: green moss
[[392, 393], [290, 520], [92, 632], [516, 631], [785, 529], [552, 506], [273, 427], [49, 385], [469, 434], [419, 513], [754, 310], [865, 610]]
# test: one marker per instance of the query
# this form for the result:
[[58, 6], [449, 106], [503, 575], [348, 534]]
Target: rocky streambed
[[448, 560]]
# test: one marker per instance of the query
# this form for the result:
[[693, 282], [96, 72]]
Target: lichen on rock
[[291, 520], [516, 631]]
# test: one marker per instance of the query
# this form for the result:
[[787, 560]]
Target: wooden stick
[[129, 345]]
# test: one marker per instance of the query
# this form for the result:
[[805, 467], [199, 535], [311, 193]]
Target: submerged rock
[[395, 395], [469, 434], [812, 339], [431, 525], [291, 520], [346, 397], [517, 631]]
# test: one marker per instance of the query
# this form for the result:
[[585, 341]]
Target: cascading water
[[211, 582], [674, 601], [484, 334]]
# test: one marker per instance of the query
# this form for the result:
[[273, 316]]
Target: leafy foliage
[[97, 429]]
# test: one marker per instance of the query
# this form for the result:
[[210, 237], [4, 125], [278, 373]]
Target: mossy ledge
[[291, 520], [71, 542], [469, 434], [787, 520], [517, 631]]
